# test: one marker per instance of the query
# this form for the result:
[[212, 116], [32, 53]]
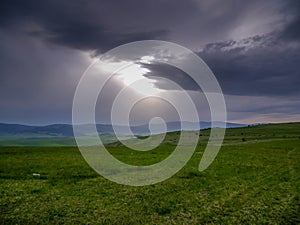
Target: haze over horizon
[[252, 47]]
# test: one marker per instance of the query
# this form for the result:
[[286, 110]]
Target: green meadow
[[255, 179]]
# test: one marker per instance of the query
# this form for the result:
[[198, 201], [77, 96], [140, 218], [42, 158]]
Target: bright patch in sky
[[131, 74], [133, 77]]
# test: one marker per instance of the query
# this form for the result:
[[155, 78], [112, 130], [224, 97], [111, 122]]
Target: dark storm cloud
[[85, 25], [101, 25], [262, 65], [291, 31], [171, 73]]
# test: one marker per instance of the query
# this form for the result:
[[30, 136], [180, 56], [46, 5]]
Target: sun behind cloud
[[133, 77]]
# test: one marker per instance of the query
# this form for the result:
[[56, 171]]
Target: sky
[[252, 47]]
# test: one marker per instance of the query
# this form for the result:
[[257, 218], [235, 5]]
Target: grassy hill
[[255, 179]]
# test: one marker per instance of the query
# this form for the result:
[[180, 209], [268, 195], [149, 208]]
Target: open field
[[255, 179]]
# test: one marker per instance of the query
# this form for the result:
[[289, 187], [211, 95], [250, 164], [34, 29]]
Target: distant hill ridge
[[56, 134], [66, 130]]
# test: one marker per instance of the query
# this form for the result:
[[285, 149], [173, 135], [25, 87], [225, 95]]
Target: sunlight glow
[[130, 75]]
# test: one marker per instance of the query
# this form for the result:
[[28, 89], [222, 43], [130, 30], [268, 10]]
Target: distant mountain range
[[66, 130], [62, 134]]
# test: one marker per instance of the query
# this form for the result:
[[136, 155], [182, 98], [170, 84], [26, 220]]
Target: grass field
[[255, 179]]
